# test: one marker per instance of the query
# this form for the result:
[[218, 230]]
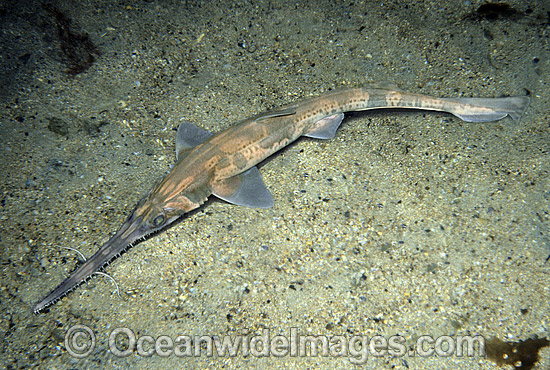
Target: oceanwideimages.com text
[[80, 342]]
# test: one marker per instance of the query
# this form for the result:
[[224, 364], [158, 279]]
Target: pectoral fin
[[247, 189], [326, 127], [189, 136]]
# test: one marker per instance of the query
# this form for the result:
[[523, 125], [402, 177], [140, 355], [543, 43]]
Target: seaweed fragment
[[58, 126], [77, 47], [521, 355], [493, 11]]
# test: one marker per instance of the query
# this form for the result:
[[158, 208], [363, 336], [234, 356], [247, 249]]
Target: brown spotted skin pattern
[[203, 169]]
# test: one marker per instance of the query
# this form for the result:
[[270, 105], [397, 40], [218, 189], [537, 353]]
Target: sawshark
[[224, 164]]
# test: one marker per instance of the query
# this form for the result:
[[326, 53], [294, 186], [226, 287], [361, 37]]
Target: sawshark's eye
[[158, 221]]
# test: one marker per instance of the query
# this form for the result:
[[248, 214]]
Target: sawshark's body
[[224, 164]]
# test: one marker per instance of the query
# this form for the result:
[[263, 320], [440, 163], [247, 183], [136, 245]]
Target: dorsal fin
[[386, 85], [189, 136], [277, 113]]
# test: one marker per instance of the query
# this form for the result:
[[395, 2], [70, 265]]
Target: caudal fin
[[492, 109]]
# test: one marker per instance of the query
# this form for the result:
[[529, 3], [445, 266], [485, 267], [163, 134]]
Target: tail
[[489, 109]]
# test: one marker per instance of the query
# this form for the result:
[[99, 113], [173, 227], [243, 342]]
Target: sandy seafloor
[[406, 223]]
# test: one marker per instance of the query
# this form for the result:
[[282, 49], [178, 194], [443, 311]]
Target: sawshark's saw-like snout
[[136, 228]]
